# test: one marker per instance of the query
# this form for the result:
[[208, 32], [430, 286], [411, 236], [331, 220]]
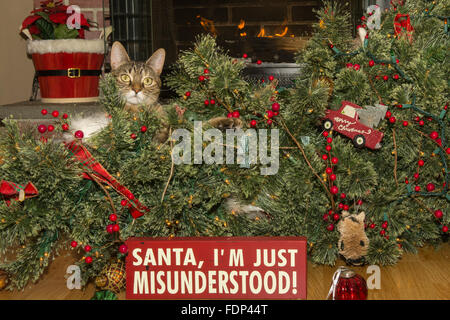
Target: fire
[[208, 25], [262, 33], [283, 33], [241, 24]]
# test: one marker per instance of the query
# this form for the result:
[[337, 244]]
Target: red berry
[[330, 227], [356, 67], [230, 115], [44, 112], [212, 101], [123, 249], [372, 226], [88, 260], [334, 160], [371, 63], [253, 123], [346, 207], [447, 150], [201, 78], [445, 229], [87, 248], [65, 127], [416, 119], [245, 56], [79, 134], [275, 106], [325, 217], [325, 134], [236, 114], [417, 188], [65, 116], [269, 113], [384, 225], [388, 114], [359, 202], [276, 113], [333, 177], [143, 129], [113, 217], [421, 163], [405, 123], [324, 157], [206, 71], [130, 196], [55, 114], [269, 122], [416, 175], [385, 78], [430, 187], [50, 128], [115, 228], [123, 203], [392, 120], [334, 190], [328, 170], [343, 196], [133, 136], [109, 228], [271, 78], [438, 214], [434, 135], [421, 123], [382, 232], [396, 76], [336, 217], [73, 244], [328, 148], [42, 128], [341, 205], [329, 140], [187, 94], [259, 62]]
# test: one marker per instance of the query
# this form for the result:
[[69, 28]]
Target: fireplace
[[268, 30]]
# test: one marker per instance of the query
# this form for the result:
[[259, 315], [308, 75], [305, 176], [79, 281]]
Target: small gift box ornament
[[403, 27], [347, 285], [10, 190]]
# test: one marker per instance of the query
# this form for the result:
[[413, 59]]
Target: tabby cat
[[140, 84]]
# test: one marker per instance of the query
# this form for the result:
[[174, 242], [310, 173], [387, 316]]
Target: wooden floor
[[425, 276]]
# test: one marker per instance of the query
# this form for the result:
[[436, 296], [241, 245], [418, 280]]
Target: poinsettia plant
[[50, 22]]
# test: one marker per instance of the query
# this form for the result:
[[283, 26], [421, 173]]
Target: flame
[[207, 24], [283, 33], [243, 34], [241, 24], [262, 33]]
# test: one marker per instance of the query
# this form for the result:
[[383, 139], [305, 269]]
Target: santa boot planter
[[68, 70]]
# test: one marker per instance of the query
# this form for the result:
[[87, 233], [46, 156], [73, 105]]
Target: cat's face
[[138, 82]]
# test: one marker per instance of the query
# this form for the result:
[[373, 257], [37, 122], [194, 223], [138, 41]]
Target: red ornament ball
[[143, 129], [44, 112], [276, 106], [87, 248], [55, 114], [88, 260], [123, 249], [434, 135], [65, 127], [430, 187], [346, 207], [79, 134], [438, 214], [421, 163], [385, 78], [349, 65], [416, 175], [113, 217], [334, 190], [384, 225], [130, 196], [42, 128], [73, 244]]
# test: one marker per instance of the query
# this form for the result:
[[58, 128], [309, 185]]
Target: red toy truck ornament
[[346, 121]]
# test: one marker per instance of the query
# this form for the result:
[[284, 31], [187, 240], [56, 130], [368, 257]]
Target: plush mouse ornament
[[353, 242]]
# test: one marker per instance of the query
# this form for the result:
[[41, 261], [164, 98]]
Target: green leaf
[[44, 16], [47, 29], [63, 32]]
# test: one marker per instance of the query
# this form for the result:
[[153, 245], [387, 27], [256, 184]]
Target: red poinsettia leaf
[[84, 22], [34, 29], [59, 18], [29, 21], [81, 34]]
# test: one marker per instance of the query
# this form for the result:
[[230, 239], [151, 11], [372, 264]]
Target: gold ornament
[[3, 280], [112, 278]]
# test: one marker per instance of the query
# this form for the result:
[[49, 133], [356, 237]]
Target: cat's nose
[[136, 90]]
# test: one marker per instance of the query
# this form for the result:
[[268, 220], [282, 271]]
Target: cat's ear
[[119, 55], [156, 61]]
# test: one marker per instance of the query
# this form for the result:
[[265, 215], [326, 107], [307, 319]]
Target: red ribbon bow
[[402, 23], [96, 169], [10, 190]]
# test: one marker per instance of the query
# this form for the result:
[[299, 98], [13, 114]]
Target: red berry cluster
[[42, 128], [355, 67], [86, 248], [395, 76]]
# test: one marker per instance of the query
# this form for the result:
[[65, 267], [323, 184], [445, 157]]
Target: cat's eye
[[148, 81], [125, 78]]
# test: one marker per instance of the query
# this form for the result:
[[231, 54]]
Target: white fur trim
[[90, 125], [66, 45]]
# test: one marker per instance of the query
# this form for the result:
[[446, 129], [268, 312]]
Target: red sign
[[216, 268]]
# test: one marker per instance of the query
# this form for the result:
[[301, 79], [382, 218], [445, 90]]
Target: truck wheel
[[327, 124], [359, 141]]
